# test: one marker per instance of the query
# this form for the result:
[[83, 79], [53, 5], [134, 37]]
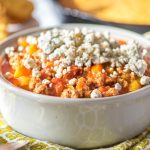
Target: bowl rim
[[46, 98]]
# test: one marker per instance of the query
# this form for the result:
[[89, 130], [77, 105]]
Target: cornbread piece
[[18, 10]]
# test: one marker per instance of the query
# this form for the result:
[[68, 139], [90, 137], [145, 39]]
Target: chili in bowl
[[77, 63]]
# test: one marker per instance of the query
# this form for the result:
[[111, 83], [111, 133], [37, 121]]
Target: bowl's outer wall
[[81, 125], [78, 125]]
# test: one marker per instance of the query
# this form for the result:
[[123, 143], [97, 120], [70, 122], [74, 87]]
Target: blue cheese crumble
[[84, 47]]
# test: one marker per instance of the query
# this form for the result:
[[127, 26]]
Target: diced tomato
[[50, 64], [134, 85], [23, 81], [57, 86], [104, 75], [32, 49], [110, 80], [21, 71], [14, 81], [103, 89], [46, 73], [90, 74], [43, 75], [122, 42], [6, 67], [74, 72], [22, 42], [81, 83], [96, 68]]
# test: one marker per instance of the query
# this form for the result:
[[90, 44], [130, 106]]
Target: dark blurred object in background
[[71, 15]]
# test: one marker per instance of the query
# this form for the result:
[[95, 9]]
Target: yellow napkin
[[7, 134]]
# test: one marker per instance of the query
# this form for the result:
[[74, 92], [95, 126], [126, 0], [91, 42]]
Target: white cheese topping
[[64, 71], [114, 74], [118, 86], [50, 85], [103, 71], [145, 80], [96, 94], [20, 48], [29, 63], [8, 50], [31, 40], [36, 72], [49, 41], [45, 81], [138, 66], [73, 81], [77, 48], [84, 47], [59, 71], [144, 52]]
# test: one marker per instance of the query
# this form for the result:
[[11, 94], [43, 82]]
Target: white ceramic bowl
[[79, 123]]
